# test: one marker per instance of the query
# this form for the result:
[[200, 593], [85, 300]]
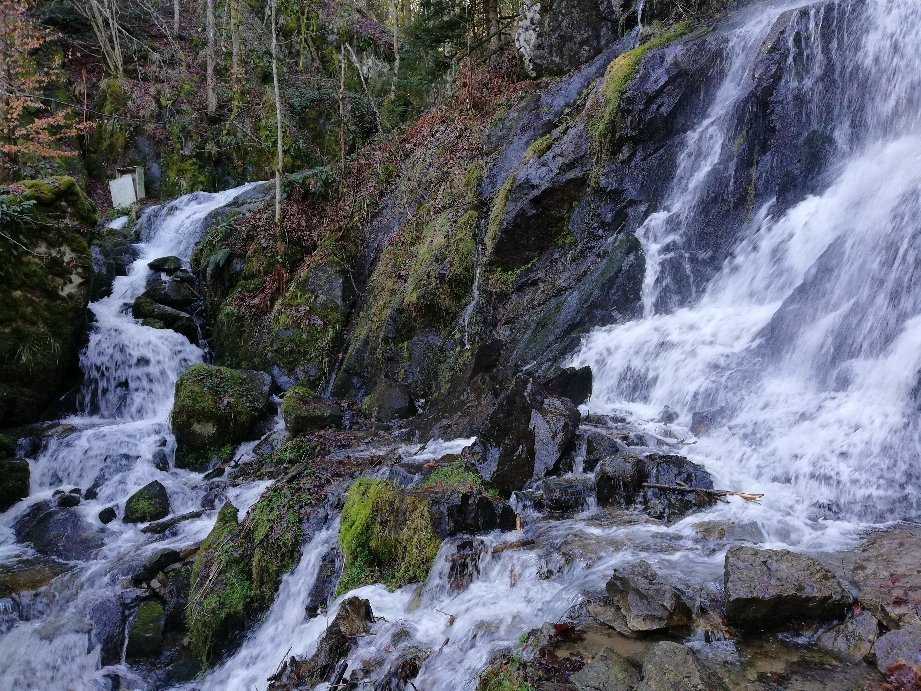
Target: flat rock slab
[[770, 590], [898, 656]]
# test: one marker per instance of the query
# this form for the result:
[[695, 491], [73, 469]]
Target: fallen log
[[718, 493]]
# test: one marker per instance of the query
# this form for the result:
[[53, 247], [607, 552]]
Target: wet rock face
[[215, 408], [150, 503], [769, 590], [113, 251], [389, 401], [620, 479], [176, 292], [526, 435], [57, 532], [645, 600], [328, 663], [159, 316], [454, 513], [168, 265], [673, 667], [886, 572], [14, 481]]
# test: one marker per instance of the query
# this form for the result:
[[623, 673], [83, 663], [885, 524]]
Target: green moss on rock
[[386, 535], [239, 568], [43, 292], [214, 408], [508, 673], [150, 503], [14, 481], [304, 412], [145, 638]]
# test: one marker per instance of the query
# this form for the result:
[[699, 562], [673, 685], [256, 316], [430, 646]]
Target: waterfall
[[130, 372], [806, 342]]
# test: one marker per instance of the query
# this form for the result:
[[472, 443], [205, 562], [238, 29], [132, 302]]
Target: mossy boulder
[[150, 503], [14, 481], [145, 638], [44, 291], [388, 401], [239, 568], [168, 265], [159, 316], [304, 412], [386, 535], [215, 408]]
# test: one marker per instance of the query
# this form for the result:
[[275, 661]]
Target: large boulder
[[328, 663], [526, 435], [570, 382], [14, 481], [43, 294], [168, 265], [673, 667], [150, 503], [58, 532], [768, 590], [215, 408], [645, 600], [620, 481]]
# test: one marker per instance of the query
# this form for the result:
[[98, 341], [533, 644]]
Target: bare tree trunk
[[491, 8], [210, 57], [175, 17], [406, 9], [281, 160], [342, 108], [235, 51], [396, 52], [102, 18], [364, 84]]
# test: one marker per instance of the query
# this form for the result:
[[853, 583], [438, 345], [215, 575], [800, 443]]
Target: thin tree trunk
[[406, 7], [342, 109], [491, 8], [210, 57], [396, 52], [175, 17], [281, 161], [235, 51], [364, 84]]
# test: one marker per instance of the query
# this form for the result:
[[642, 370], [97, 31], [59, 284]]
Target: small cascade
[[130, 372]]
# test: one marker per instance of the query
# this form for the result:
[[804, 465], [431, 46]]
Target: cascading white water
[[130, 371], [808, 336]]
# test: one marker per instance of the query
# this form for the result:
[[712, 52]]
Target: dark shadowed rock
[[389, 401], [155, 563], [324, 586], [570, 382], [673, 667], [145, 636], [107, 515], [620, 479], [647, 602], [159, 316], [525, 435], [176, 583], [327, 664], [566, 495], [768, 590], [168, 265], [14, 481], [898, 656], [57, 532], [598, 446], [149, 503], [106, 614], [171, 292], [454, 513]]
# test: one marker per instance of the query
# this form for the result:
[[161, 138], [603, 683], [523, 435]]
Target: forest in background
[[188, 89]]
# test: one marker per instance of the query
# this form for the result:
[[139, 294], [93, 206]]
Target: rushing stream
[[804, 347]]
